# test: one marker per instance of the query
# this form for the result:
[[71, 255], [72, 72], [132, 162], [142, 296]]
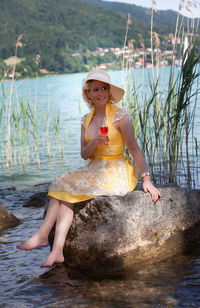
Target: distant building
[[14, 74], [138, 64], [76, 54], [140, 60], [102, 65], [174, 39], [44, 71]]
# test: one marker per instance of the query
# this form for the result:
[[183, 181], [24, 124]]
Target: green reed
[[30, 132], [163, 116], [47, 118], [25, 135]]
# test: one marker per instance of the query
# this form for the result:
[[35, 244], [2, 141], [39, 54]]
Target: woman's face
[[99, 92]]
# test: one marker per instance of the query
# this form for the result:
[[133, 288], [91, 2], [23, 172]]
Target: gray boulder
[[7, 219], [112, 235]]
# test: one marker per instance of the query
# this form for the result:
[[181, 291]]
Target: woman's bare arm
[[126, 128]]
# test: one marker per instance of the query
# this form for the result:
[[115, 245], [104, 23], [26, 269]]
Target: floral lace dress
[[107, 173]]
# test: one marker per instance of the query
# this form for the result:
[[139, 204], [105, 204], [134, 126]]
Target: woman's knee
[[69, 205], [60, 202], [54, 201]]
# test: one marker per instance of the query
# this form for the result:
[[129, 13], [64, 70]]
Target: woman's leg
[[63, 224], [40, 238]]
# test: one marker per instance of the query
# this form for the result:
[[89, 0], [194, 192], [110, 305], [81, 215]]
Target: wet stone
[[37, 200], [7, 219], [111, 235]]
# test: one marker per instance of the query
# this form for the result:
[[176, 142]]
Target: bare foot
[[35, 241], [54, 257]]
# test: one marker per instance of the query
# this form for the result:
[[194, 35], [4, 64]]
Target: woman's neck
[[100, 110]]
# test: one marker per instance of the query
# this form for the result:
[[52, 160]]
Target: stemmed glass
[[103, 127]]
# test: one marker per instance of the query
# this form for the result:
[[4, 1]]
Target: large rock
[[7, 219], [110, 235]]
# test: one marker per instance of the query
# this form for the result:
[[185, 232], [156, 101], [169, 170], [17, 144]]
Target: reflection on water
[[173, 283]]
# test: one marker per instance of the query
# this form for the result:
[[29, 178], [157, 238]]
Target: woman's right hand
[[87, 149], [100, 140]]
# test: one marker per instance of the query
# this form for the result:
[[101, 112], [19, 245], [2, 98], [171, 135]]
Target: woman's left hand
[[149, 187]]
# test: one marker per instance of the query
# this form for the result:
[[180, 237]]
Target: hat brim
[[116, 92]]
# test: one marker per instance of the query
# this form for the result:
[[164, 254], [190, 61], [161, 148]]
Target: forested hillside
[[55, 29], [167, 17]]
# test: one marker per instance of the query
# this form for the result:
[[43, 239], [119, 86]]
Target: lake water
[[63, 94], [173, 283]]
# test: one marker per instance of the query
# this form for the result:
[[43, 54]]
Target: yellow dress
[[108, 173]]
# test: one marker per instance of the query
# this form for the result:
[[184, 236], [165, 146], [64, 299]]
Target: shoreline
[[56, 74]]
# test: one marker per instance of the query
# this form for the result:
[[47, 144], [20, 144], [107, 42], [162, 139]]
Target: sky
[[165, 5]]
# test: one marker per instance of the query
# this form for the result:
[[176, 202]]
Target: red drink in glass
[[104, 130]]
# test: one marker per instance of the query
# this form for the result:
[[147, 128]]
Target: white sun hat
[[100, 75]]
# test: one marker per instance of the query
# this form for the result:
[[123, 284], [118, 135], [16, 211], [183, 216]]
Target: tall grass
[[26, 131], [163, 114]]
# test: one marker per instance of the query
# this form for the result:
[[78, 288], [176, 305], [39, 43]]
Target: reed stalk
[[124, 48], [166, 118], [24, 127], [47, 127], [33, 116], [152, 54]]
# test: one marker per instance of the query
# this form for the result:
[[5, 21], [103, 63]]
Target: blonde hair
[[86, 88]]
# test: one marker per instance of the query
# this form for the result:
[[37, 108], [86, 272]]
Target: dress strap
[[88, 119], [110, 113]]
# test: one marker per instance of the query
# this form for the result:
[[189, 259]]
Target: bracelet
[[144, 174]]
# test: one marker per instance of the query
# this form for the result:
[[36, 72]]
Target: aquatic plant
[[25, 130], [166, 111]]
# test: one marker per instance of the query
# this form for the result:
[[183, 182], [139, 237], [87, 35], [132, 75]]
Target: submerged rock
[[7, 188], [7, 219], [110, 235], [37, 200]]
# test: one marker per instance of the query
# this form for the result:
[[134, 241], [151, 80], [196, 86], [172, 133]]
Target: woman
[[109, 172]]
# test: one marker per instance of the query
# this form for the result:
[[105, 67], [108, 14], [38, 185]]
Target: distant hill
[[55, 29], [162, 17]]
